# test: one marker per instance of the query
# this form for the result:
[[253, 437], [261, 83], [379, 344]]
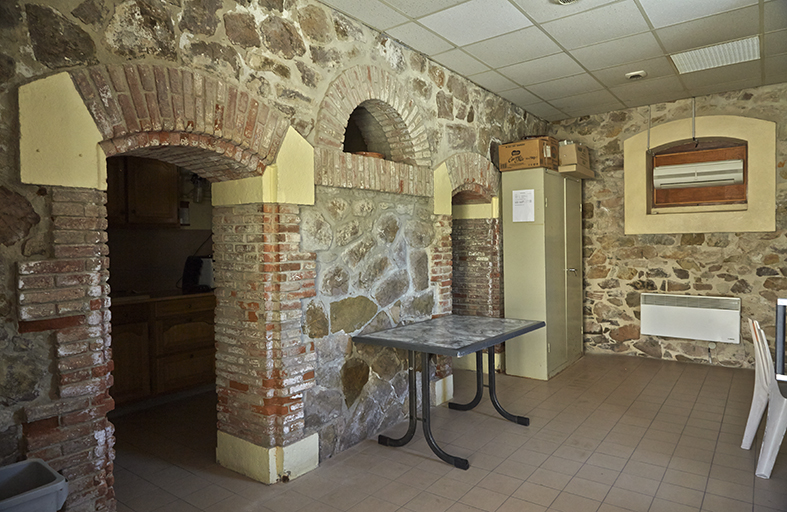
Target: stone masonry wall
[[373, 272], [286, 54], [618, 267]]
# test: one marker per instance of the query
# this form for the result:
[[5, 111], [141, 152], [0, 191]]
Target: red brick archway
[[220, 132]]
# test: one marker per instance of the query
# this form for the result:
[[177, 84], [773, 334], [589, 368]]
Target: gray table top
[[451, 335]]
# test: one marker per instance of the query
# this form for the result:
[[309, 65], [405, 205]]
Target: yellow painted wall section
[[243, 191], [58, 143], [760, 214], [477, 211], [293, 172], [267, 464], [443, 191]]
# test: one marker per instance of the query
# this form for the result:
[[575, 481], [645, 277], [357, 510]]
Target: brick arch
[[199, 122], [388, 100], [474, 173]]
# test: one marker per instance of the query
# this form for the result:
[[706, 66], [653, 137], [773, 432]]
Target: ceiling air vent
[[718, 55]]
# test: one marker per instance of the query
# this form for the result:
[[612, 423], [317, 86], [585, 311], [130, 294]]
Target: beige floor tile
[[549, 478], [713, 503], [587, 488], [428, 502], [607, 461], [628, 500], [484, 499], [561, 465], [448, 488], [730, 490], [678, 494], [637, 484], [567, 502], [500, 483], [373, 504], [517, 505], [397, 493], [537, 494]]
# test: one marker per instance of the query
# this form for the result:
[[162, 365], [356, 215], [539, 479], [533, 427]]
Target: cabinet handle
[[572, 270]]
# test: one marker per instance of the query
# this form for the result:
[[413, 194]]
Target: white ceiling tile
[[668, 12], [725, 87], [586, 100], [418, 8], [722, 74], [545, 111], [543, 69], [476, 20], [711, 30], [548, 11], [620, 51], [562, 87], [372, 12], [649, 91], [603, 24], [520, 97], [595, 108], [419, 38], [460, 62], [527, 44], [775, 43], [493, 81], [775, 15], [776, 69], [658, 67]]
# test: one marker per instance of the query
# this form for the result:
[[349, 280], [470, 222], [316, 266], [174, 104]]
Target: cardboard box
[[576, 171], [528, 154], [575, 154]]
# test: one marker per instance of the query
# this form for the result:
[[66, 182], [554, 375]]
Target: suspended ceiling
[[565, 61]]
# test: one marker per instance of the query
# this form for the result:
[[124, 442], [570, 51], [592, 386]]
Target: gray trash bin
[[31, 486]]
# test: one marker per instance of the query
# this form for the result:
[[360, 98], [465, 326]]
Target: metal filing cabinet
[[542, 272]]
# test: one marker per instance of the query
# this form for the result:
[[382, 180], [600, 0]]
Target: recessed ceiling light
[[718, 55]]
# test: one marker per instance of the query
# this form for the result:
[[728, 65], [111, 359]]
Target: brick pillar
[[441, 268], [66, 296], [263, 362]]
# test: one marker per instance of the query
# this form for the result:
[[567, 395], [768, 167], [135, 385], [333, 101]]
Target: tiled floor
[[612, 433]]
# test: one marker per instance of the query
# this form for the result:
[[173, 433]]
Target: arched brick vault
[[222, 133], [472, 172], [201, 123], [392, 105]]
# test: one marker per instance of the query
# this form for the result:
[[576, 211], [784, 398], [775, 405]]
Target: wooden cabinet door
[[179, 333], [117, 204], [130, 354], [152, 191], [185, 370]]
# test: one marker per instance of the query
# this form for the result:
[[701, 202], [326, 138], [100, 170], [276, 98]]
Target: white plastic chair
[[767, 391]]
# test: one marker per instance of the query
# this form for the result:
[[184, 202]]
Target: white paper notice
[[524, 205]]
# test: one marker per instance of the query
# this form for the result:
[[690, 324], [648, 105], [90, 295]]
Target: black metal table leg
[[426, 410], [479, 391], [413, 397], [521, 420]]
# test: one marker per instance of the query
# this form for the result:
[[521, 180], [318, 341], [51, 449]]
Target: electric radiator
[[691, 317]]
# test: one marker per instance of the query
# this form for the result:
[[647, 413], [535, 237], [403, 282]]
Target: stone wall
[[373, 263], [619, 267], [162, 79]]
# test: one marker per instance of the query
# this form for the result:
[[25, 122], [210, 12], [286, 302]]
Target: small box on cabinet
[[576, 171], [575, 154], [528, 154]]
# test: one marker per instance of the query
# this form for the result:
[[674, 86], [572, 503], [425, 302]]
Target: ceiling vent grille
[[715, 56]]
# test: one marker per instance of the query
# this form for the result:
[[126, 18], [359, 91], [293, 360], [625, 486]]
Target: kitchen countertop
[[136, 298]]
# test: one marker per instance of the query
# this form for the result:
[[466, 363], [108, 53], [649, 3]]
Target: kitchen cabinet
[[542, 271], [162, 345], [141, 192]]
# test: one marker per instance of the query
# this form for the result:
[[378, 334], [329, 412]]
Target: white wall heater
[[691, 317]]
